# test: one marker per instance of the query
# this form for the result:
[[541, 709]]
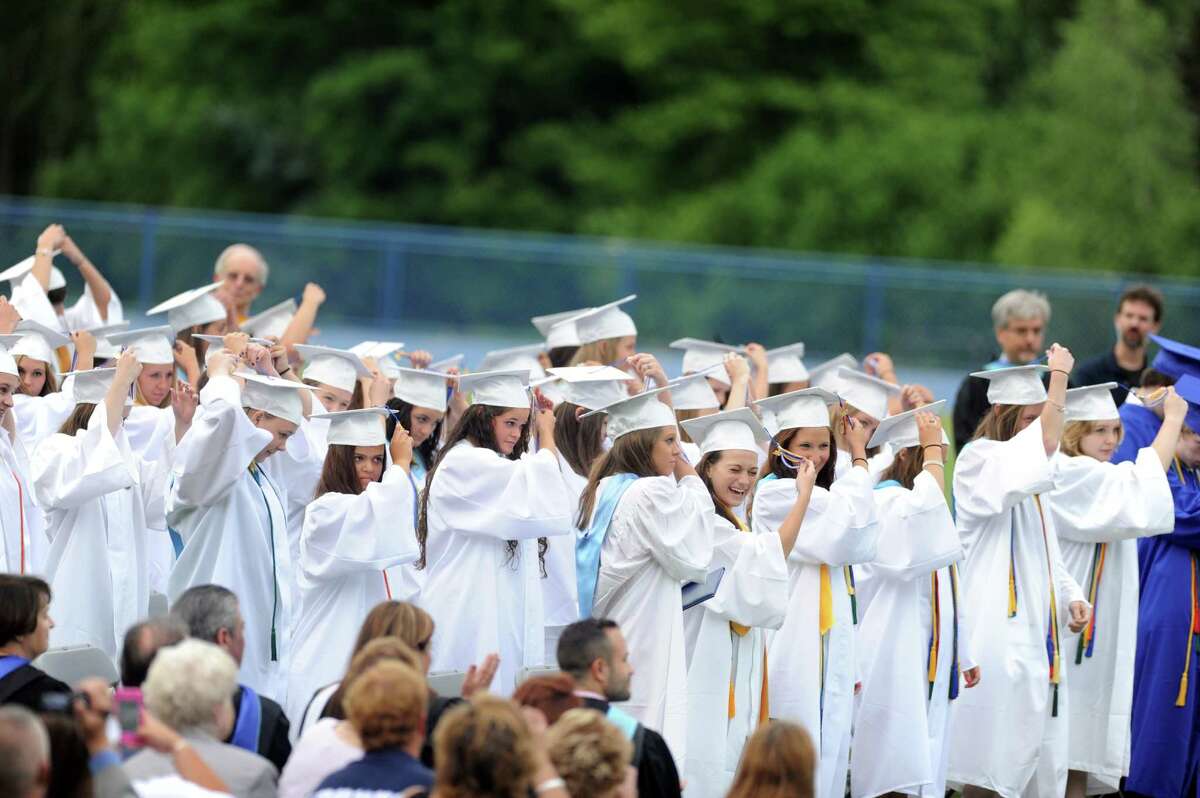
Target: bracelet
[[42, 251], [1060, 371], [937, 463], [1057, 406], [550, 784], [285, 371], [931, 446], [856, 459]]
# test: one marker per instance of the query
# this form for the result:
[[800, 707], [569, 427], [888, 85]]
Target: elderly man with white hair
[[244, 271], [24, 753], [189, 688]]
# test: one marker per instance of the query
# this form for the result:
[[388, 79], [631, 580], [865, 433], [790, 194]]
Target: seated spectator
[[142, 642], [594, 653], [590, 754], [211, 613], [189, 688], [332, 742], [24, 754], [777, 762], [552, 694], [488, 748], [25, 626], [386, 705]]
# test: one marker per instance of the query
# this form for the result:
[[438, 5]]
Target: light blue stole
[[589, 541]]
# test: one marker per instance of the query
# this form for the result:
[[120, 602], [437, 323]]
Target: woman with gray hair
[[190, 688]]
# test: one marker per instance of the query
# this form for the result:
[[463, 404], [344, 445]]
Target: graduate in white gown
[[911, 642], [230, 515], [868, 400], [22, 533], [606, 335], [786, 371], [44, 399], [196, 310], [812, 664], [486, 503], [646, 526], [578, 443], [359, 524], [1018, 596], [1099, 510], [708, 358], [726, 635], [150, 424], [693, 396], [102, 504]]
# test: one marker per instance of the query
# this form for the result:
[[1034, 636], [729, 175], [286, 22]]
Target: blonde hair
[[387, 705], [999, 423], [686, 415], [777, 762], [483, 749], [1075, 431], [589, 753], [187, 682], [603, 352]]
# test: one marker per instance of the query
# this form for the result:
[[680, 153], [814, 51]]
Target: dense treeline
[[1055, 132]]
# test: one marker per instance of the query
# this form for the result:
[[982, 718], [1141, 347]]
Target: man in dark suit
[[593, 651], [25, 626], [211, 613]]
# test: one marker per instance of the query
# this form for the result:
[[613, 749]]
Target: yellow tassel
[[732, 700], [1181, 700], [825, 607]]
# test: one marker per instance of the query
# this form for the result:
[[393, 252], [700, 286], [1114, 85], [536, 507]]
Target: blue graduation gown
[[1166, 738]]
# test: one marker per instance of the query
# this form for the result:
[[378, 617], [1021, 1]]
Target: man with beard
[[1139, 315]]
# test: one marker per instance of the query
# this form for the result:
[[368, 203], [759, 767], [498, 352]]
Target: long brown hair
[[906, 466], [51, 384], [702, 470], [778, 762], [630, 454], [78, 419], [338, 474], [579, 441], [475, 427], [198, 346], [999, 423], [403, 417], [776, 466]]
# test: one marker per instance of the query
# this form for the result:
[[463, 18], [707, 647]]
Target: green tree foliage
[[1059, 132]]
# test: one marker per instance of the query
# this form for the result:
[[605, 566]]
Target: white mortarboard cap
[[692, 392], [702, 355], [900, 431], [92, 386], [604, 322], [152, 345], [364, 427], [19, 270], [644, 411], [271, 322], [1017, 385], [825, 375], [868, 394], [421, 388], [738, 430], [274, 395], [57, 280], [515, 357], [37, 341], [559, 328], [784, 364], [105, 349], [452, 362], [219, 340], [383, 353], [1092, 403], [7, 363], [339, 368], [192, 307], [592, 387], [808, 407], [497, 388]]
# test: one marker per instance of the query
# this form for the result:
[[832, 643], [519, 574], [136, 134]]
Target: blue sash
[[10, 663], [626, 723], [888, 483], [589, 541], [249, 720]]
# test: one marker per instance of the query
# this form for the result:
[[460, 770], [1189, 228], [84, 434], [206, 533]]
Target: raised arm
[[301, 325], [50, 240], [760, 386], [1061, 362], [100, 289], [1175, 408], [789, 528], [739, 380], [128, 369]]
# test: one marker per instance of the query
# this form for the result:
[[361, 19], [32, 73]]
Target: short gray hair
[[233, 249], [24, 750], [207, 609], [1020, 304], [187, 682]]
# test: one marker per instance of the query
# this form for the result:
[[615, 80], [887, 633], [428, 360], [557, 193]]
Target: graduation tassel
[[954, 650], [934, 636], [1181, 699], [1012, 569], [1054, 709], [849, 574], [1087, 640]]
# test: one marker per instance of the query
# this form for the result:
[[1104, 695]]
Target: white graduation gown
[[839, 529], [1015, 744], [31, 301], [560, 589], [1112, 504], [347, 542], [754, 593], [24, 543], [900, 727], [296, 471], [101, 502], [150, 434], [482, 599], [660, 536], [876, 463], [39, 417], [233, 530]]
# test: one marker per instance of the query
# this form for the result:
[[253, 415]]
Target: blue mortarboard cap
[[1189, 388], [1175, 359]]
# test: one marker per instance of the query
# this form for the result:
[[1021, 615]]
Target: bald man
[[244, 271]]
